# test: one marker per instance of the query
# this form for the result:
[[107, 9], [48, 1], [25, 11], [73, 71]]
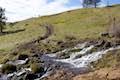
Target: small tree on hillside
[[114, 30], [2, 19], [91, 3]]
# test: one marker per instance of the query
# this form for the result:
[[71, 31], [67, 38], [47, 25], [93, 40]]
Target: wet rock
[[22, 72], [35, 55], [104, 34], [103, 44], [79, 56], [89, 43], [22, 57], [63, 55], [115, 43], [59, 42], [100, 43], [107, 45], [60, 75], [30, 76]]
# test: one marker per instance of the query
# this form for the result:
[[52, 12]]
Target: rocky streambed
[[76, 60]]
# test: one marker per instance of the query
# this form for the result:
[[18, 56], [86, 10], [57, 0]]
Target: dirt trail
[[47, 34], [49, 31]]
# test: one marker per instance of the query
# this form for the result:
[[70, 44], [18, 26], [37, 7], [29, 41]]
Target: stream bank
[[75, 60]]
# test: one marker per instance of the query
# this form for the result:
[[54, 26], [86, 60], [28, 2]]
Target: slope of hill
[[74, 41], [81, 23]]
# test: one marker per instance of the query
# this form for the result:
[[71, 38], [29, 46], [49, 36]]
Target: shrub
[[114, 30], [70, 37], [8, 68], [36, 68]]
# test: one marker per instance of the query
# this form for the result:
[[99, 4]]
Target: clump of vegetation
[[36, 68], [11, 24], [8, 68], [70, 37]]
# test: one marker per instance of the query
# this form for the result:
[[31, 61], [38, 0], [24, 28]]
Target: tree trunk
[[95, 4], [1, 29]]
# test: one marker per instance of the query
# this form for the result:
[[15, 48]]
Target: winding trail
[[49, 31]]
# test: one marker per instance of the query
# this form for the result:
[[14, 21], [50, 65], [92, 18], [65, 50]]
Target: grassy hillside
[[81, 23]]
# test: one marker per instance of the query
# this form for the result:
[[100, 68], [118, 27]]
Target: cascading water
[[74, 62], [84, 60], [73, 55]]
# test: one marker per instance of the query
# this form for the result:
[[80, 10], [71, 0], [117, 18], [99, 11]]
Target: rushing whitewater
[[84, 61], [78, 61]]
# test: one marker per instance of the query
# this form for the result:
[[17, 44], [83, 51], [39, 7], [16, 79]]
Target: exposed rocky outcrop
[[60, 75], [102, 74]]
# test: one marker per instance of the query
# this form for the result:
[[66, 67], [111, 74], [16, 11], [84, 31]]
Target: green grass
[[81, 23], [9, 41]]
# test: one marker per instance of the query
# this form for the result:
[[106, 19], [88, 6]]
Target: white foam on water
[[51, 55], [1, 65], [73, 55], [80, 46], [18, 62], [84, 61]]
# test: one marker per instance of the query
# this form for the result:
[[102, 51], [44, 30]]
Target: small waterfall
[[73, 63], [17, 62], [73, 55], [85, 60]]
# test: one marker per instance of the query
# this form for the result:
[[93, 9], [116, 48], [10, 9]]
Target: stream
[[75, 62]]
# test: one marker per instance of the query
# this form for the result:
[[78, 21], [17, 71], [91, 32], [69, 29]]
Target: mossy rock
[[8, 68], [36, 68]]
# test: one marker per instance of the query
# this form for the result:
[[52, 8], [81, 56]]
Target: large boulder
[[30, 76]]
